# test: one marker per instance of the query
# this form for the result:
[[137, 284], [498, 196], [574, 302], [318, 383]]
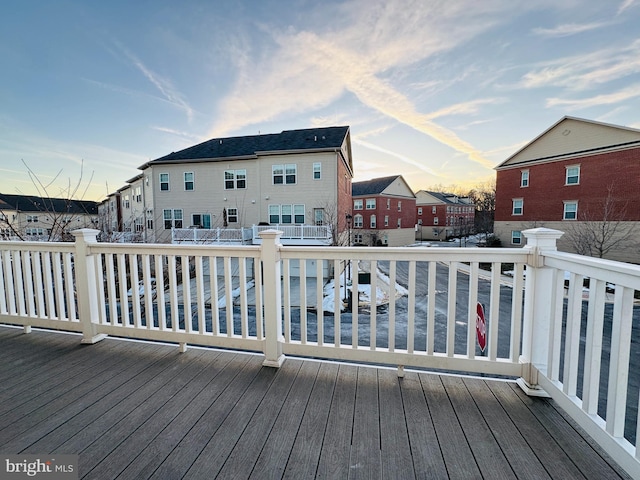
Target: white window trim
[[564, 210], [513, 206], [317, 168], [168, 182], [192, 181], [566, 175], [523, 174]]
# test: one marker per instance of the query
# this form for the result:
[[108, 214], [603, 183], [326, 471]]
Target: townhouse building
[[293, 178], [27, 217], [581, 177], [384, 212], [443, 215]]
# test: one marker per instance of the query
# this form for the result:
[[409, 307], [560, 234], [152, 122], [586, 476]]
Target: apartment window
[[388, 203], [235, 179], [433, 209], [570, 210], [419, 221], [232, 215], [357, 204], [371, 204], [357, 238], [516, 237], [32, 218], [435, 220], [125, 202], [357, 221], [286, 214], [399, 206], [172, 218], [149, 224], [524, 178], [318, 216], [201, 220], [146, 180], [399, 223], [419, 210], [386, 220], [138, 195], [188, 181], [317, 171], [573, 175], [138, 225], [518, 205], [164, 182], [34, 231], [372, 221], [284, 174]]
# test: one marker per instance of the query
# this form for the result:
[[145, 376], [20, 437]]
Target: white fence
[[543, 326]]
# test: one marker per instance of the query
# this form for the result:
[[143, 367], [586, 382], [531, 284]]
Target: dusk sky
[[438, 91]]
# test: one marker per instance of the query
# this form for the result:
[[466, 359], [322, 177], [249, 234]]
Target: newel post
[[86, 286], [272, 298], [538, 308]]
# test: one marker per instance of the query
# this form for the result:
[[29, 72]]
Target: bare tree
[[483, 196], [603, 227]]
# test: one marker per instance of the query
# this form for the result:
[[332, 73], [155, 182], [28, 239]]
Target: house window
[[232, 215], [419, 210], [433, 209], [371, 204], [435, 220], [286, 214], [357, 221], [357, 238], [235, 179], [172, 218], [357, 204], [573, 175], [201, 220], [125, 202], [419, 221], [146, 180], [188, 181], [138, 194], [149, 224], [164, 182], [138, 225], [388, 203], [518, 205], [284, 174], [317, 171], [386, 220], [399, 223], [372, 221], [524, 178], [570, 210], [32, 218], [399, 206], [318, 216], [516, 237]]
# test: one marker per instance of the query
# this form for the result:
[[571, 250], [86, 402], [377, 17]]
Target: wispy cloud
[[633, 91], [465, 108], [568, 29], [308, 70], [625, 5], [585, 71], [163, 85], [185, 135], [402, 158]]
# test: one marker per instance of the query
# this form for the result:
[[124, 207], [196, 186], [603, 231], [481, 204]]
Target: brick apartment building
[[443, 215], [577, 175]]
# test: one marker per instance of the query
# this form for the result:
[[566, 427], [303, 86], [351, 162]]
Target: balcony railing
[[291, 235], [557, 337]]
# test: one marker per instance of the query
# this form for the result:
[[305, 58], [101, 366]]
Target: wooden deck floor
[[142, 410]]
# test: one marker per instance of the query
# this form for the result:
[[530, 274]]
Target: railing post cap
[[542, 237], [86, 233], [271, 233]]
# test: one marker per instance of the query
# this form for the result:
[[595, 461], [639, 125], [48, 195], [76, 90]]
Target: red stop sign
[[481, 327]]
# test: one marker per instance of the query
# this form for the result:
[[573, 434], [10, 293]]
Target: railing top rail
[[619, 273], [483, 255], [172, 249], [38, 246]]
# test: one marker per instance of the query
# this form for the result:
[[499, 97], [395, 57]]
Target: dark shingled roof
[[327, 138], [28, 203], [372, 187]]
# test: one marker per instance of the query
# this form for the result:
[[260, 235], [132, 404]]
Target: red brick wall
[[543, 198], [345, 204], [407, 214]]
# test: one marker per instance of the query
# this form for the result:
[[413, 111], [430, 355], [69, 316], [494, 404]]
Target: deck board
[[136, 410]]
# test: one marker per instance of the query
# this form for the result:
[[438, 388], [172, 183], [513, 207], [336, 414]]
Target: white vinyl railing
[[561, 323]]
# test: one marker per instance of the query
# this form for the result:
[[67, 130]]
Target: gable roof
[[377, 186], [28, 203], [572, 136], [441, 197], [311, 139]]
